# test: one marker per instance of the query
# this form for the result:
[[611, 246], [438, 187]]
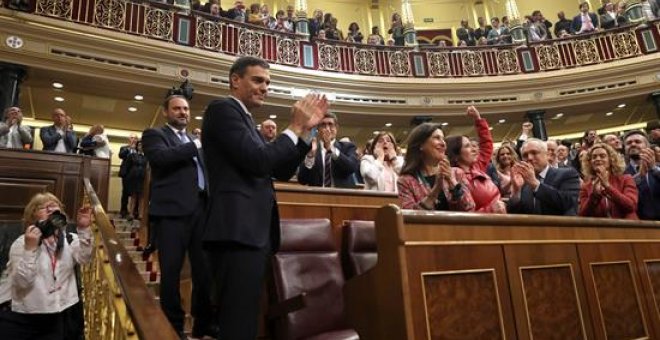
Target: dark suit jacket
[[648, 190], [242, 206], [50, 137], [124, 151], [557, 195], [577, 22], [174, 190], [343, 168]]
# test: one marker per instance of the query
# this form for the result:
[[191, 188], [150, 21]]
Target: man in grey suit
[[539, 189], [13, 135]]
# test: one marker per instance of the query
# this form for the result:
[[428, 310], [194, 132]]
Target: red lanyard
[[53, 264]]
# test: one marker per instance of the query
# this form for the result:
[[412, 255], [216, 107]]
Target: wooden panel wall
[[25, 173]]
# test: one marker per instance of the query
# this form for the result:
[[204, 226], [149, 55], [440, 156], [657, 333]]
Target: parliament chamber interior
[[483, 169]]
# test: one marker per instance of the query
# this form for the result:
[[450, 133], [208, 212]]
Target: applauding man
[[242, 225], [539, 189], [333, 163], [12, 134]]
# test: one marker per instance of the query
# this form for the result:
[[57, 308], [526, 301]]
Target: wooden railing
[[118, 304], [202, 31]]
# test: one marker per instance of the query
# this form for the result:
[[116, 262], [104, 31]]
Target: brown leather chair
[[359, 253], [308, 283]]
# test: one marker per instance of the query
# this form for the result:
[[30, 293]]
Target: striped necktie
[[327, 169]]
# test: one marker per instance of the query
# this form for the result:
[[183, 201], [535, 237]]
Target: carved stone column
[[11, 76], [536, 117]]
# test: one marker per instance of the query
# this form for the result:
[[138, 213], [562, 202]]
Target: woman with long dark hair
[[470, 164]]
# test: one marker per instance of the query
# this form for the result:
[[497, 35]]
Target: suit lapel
[[550, 176], [174, 139]]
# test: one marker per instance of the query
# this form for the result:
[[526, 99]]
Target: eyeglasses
[[326, 124], [50, 206]]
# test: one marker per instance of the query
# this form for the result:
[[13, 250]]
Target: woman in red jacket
[[471, 162], [608, 192]]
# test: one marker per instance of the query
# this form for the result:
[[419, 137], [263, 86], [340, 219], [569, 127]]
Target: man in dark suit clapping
[[177, 210], [242, 226], [539, 189]]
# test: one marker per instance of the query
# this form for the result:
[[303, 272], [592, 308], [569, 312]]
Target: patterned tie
[[327, 169], [201, 184]]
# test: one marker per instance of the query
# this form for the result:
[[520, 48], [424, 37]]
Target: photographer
[[42, 272]]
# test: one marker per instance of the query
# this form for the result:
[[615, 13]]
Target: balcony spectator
[[537, 188], [266, 18], [381, 166], [563, 34], [482, 41], [332, 32], [466, 33], [196, 5], [215, 11], [291, 18], [562, 24], [396, 30], [537, 30], [326, 20], [375, 38], [562, 156], [470, 163], [427, 181], [59, 137], [237, 12], [13, 135], [650, 9], [95, 143], [602, 10], [354, 35], [615, 142], [442, 43], [607, 192], [281, 24], [545, 22], [462, 43], [255, 17], [612, 17], [498, 34], [585, 22], [316, 23], [207, 7], [500, 168], [643, 166], [482, 30], [321, 35], [505, 22]]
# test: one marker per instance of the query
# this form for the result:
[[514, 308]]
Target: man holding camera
[[642, 166], [176, 208]]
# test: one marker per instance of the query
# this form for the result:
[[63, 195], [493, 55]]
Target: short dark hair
[[635, 132], [241, 65], [454, 146], [331, 115], [166, 103], [652, 125]]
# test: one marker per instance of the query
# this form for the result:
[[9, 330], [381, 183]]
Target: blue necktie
[[200, 173]]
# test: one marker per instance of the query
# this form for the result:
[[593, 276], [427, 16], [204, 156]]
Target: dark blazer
[[241, 164], [576, 26], [648, 190], [124, 152], [557, 195], [50, 137], [174, 190], [343, 168]]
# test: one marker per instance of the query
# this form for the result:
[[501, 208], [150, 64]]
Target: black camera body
[[56, 220]]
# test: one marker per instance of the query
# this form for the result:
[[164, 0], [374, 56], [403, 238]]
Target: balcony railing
[[202, 31]]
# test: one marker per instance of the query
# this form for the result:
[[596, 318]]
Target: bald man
[[268, 130], [59, 137]]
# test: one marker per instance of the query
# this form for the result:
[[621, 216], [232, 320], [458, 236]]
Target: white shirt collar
[[241, 104], [176, 131], [543, 173]]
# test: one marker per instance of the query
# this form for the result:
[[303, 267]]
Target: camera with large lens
[[57, 220]]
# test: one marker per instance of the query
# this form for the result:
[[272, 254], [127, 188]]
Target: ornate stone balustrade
[[199, 30]]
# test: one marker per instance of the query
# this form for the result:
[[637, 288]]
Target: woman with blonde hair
[[500, 168], [41, 271], [381, 164], [607, 192]]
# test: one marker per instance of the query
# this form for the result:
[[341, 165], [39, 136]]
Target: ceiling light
[[444, 124], [609, 113], [559, 115], [132, 109], [58, 85], [502, 121], [138, 97], [59, 99], [272, 116], [376, 132], [199, 117], [490, 128], [621, 106], [388, 124]]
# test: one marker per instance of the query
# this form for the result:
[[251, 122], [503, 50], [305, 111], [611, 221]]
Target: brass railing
[[118, 304]]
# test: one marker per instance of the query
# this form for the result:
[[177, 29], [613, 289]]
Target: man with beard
[[643, 167]]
